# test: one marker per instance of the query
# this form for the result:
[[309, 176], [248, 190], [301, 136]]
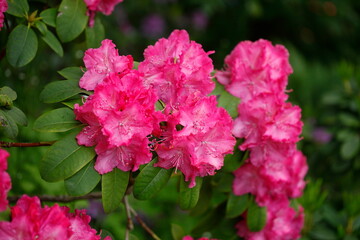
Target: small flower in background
[[3, 8], [199, 20], [104, 6], [153, 26], [5, 181], [321, 135]]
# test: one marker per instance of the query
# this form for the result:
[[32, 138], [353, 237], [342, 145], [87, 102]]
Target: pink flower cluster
[[30, 221], [257, 73], [190, 133], [5, 181], [3, 8], [104, 6]]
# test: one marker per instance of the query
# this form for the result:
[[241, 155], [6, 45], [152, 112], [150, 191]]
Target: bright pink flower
[[125, 157], [104, 6], [5, 181], [195, 139], [102, 61], [283, 223], [3, 8], [257, 67], [177, 67], [29, 221]]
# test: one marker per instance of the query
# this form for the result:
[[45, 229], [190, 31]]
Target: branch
[[143, 225], [14, 144], [129, 225], [62, 198]]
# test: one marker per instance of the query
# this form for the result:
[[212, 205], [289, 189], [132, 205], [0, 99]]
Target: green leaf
[[57, 120], [8, 127], [71, 103], [71, 20], [59, 91], [350, 146], [236, 205], [177, 232], [22, 46], [205, 197], [49, 16], [18, 8], [150, 181], [226, 100], [188, 197], [50, 39], [212, 219], [256, 217], [73, 73], [64, 159], [84, 181], [95, 34], [41, 27], [9, 92], [114, 185], [17, 115]]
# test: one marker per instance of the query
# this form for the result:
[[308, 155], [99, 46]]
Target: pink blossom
[[283, 223], [3, 8], [104, 6], [30, 221], [257, 67], [5, 181], [102, 61], [198, 147], [176, 67]]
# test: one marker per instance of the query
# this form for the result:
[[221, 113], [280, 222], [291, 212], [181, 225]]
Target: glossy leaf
[[8, 127], [41, 27], [150, 181], [71, 20], [59, 91], [188, 197], [18, 8], [114, 185], [49, 16], [177, 232], [22, 46], [84, 181], [226, 100], [50, 39], [256, 217], [57, 120], [9, 92], [71, 73], [236, 205], [65, 158], [17, 115], [95, 34]]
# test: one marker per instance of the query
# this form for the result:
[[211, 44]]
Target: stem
[[14, 144], [130, 225], [143, 225], [62, 198]]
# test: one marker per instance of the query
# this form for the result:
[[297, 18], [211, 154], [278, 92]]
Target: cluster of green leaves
[[10, 115], [65, 22]]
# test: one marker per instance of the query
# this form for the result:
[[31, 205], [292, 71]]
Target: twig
[[14, 144], [130, 225], [62, 198], [143, 224]]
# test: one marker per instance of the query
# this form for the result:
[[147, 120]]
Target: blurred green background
[[323, 40]]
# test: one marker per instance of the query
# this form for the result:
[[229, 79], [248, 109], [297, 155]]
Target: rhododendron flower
[[120, 117], [257, 67], [283, 223], [102, 61], [198, 147], [104, 6], [176, 67], [5, 181], [3, 8], [30, 221]]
